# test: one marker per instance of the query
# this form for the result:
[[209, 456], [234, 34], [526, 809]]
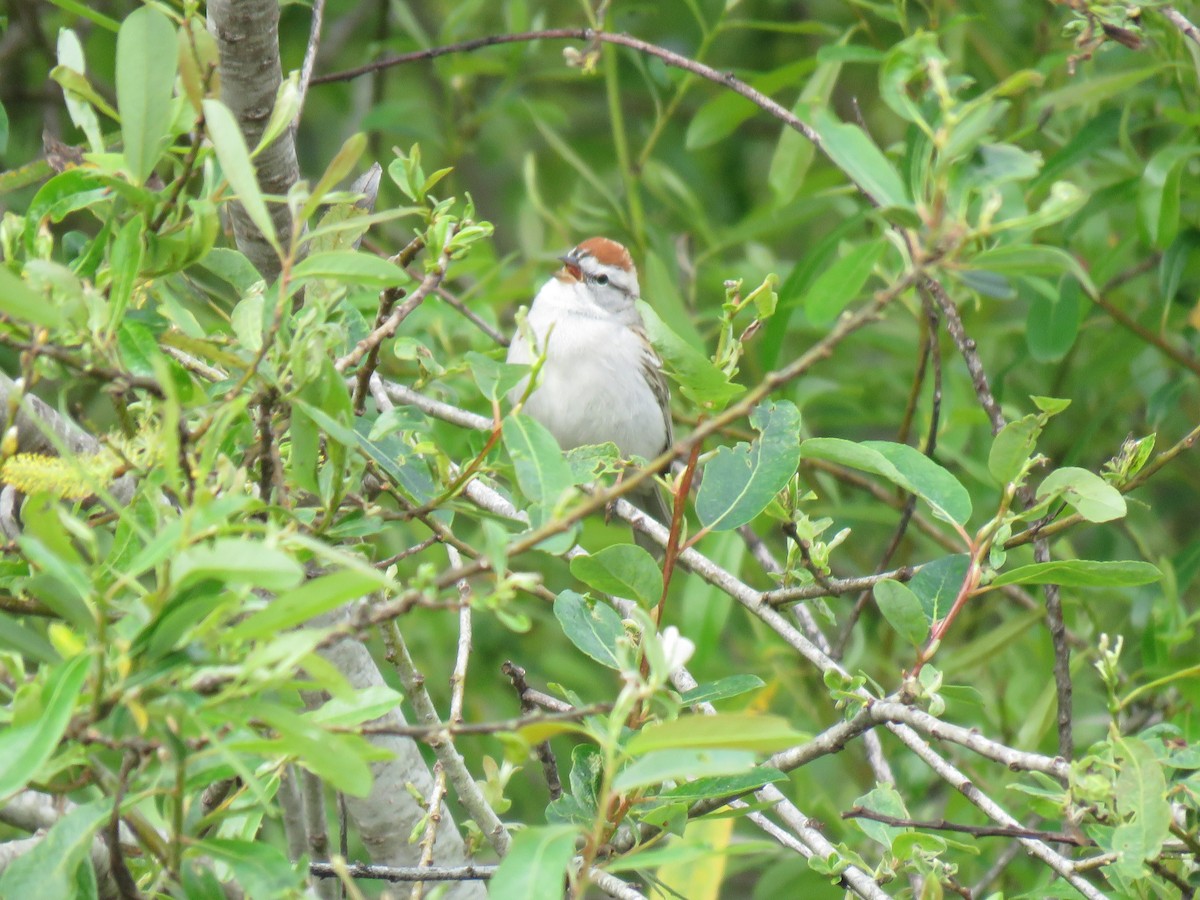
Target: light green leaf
[[1159, 194], [1028, 259], [1086, 492], [357, 268], [18, 300], [731, 731], [126, 260], [1141, 795], [593, 627], [70, 56], [623, 570], [146, 65], [699, 379], [723, 785], [237, 560], [903, 610], [1083, 573], [298, 605], [794, 152], [674, 765], [339, 167], [25, 748], [864, 164], [536, 864], [841, 282], [542, 471], [740, 481], [883, 799], [1012, 448], [494, 378], [238, 169]]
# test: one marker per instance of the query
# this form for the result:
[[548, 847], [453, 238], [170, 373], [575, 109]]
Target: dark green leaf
[[740, 481], [841, 283], [623, 570], [930, 482], [903, 610], [864, 164], [591, 626], [1053, 322], [1012, 447], [938, 583], [722, 689], [25, 747]]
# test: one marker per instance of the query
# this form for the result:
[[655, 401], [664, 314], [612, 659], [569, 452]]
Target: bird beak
[[570, 270]]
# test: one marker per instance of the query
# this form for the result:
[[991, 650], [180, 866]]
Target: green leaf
[[1083, 573], [883, 799], [146, 64], [903, 610], [3, 130], [1086, 492], [139, 349], [18, 300], [1012, 448], [542, 471], [699, 379], [794, 152], [1141, 795], [237, 560], [70, 56], [333, 757], [357, 268], [593, 627], [740, 481], [841, 282], [259, 869], [623, 570], [1159, 194], [722, 689], [236, 165], [853, 152], [494, 378], [296, 606], [1053, 322], [937, 584], [536, 865], [126, 260], [930, 482], [49, 868], [732, 731], [663, 765], [1029, 259], [25, 748], [1094, 89], [723, 785], [720, 117]]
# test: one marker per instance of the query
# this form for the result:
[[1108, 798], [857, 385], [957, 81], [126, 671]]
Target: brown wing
[[653, 373]]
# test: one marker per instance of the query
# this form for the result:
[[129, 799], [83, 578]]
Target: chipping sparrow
[[602, 381]]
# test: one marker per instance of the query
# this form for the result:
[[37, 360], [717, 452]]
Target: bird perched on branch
[[601, 381]]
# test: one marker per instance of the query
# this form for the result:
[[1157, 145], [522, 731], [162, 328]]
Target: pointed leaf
[[146, 64]]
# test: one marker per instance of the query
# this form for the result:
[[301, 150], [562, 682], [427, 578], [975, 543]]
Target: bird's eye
[[601, 279]]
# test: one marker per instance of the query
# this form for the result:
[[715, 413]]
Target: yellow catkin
[[33, 473]]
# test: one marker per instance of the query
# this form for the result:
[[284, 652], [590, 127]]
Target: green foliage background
[[1095, 302]]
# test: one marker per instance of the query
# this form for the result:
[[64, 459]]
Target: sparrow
[[602, 380]]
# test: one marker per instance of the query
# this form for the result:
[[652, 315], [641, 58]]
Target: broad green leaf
[[1053, 321], [48, 869], [298, 605], [246, 320], [722, 689], [903, 610], [1086, 492], [237, 560], [1028, 259], [732, 731], [18, 300], [1012, 448], [720, 117], [854, 153], [536, 864], [362, 269], [329, 756], [24, 749], [542, 471], [494, 378], [236, 165], [1083, 573], [841, 283], [1141, 795], [1094, 89], [699, 379], [937, 584], [623, 570], [360, 705], [883, 799], [146, 64], [723, 785], [931, 482], [663, 765], [283, 114], [593, 627], [339, 167], [139, 349], [740, 481]]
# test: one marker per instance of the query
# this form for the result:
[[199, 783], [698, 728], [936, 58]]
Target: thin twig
[[310, 56], [1177, 19], [387, 302], [404, 873], [1010, 831], [543, 750]]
